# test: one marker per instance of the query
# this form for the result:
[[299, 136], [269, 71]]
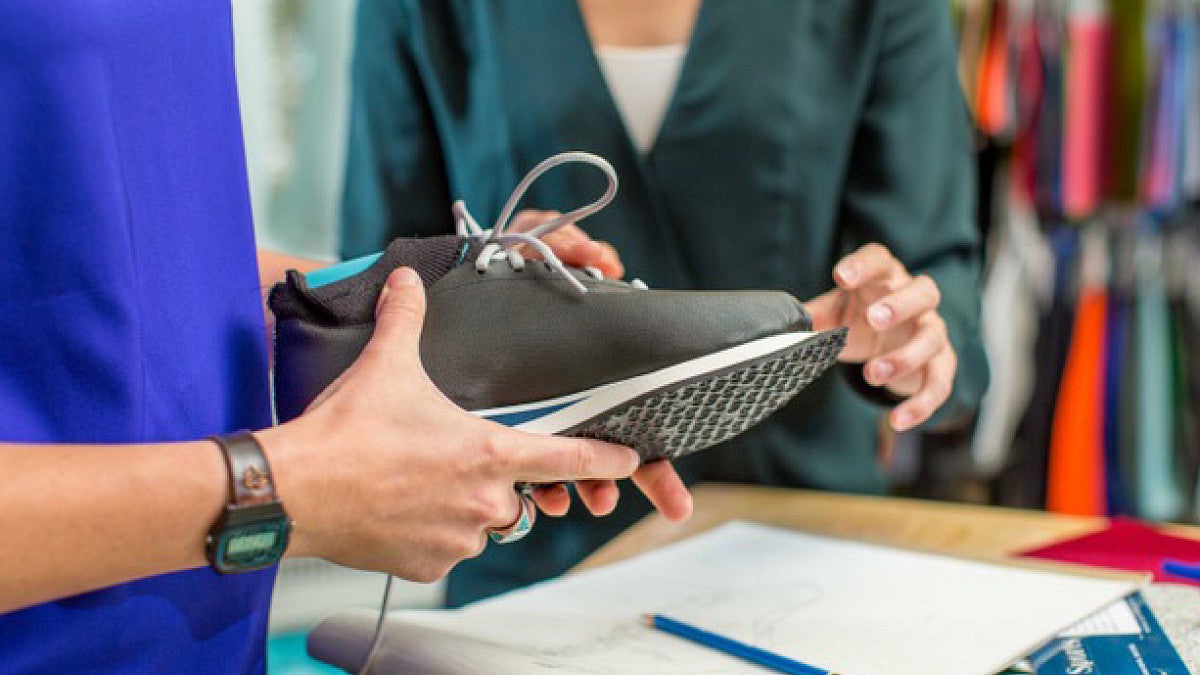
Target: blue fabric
[[129, 300], [1114, 365]]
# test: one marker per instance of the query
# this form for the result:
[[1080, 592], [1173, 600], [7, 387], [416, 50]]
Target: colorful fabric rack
[[1093, 300]]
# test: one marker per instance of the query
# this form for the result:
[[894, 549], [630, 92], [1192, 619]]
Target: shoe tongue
[[352, 300]]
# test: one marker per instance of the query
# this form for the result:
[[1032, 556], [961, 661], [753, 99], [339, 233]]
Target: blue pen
[[1182, 569], [732, 647]]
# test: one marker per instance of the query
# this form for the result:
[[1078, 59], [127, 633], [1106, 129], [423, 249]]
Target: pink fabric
[[1126, 544], [1086, 104]]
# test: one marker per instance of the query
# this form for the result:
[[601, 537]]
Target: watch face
[[251, 546]]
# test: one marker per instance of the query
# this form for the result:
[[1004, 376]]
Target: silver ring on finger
[[520, 527]]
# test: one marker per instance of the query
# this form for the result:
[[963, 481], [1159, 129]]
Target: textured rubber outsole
[[699, 413]]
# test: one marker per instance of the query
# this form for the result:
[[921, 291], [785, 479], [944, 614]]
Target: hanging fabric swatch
[[1084, 126], [1189, 77], [1158, 492], [1023, 483], [993, 109], [974, 19], [1160, 188], [1050, 112], [1127, 95], [1028, 91], [1117, 349], [1076, 473], [1009, 326], [1182, 276]]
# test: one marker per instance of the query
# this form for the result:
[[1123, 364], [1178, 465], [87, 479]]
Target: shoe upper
[[501, 331], [499, 334]]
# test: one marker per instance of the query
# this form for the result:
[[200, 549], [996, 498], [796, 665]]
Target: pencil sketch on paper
[[768, 607], [846, 606]]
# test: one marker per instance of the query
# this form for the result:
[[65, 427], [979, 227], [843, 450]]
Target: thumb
[[826, 309], [400, 314]]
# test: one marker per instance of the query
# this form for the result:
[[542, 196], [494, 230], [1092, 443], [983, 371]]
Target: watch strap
[[250, 479]]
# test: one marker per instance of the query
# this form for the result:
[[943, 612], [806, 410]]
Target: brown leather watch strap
[[250, 480]]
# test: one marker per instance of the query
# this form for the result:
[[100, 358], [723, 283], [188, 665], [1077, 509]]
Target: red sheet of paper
[[1124, 545]]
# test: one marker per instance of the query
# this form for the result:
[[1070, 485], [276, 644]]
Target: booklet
[[1125, 638]]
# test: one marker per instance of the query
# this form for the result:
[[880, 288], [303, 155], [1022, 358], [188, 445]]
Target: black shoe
[[550, 349]]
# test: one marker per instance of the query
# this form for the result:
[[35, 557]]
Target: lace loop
[[501, 245]]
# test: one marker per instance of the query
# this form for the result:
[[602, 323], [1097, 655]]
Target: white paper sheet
[[853, 608], [1116, 619]]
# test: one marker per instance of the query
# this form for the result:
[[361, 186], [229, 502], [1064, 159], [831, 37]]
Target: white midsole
[[590, 403]]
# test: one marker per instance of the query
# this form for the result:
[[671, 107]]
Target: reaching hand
[[571, 244], [895, 330]]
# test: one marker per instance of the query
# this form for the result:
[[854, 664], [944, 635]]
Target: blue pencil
[[1182, 569], [732, 647]]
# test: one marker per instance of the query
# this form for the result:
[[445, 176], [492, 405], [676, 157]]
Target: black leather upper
[[505, 337]]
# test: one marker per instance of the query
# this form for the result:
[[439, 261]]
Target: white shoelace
[[501, 245]]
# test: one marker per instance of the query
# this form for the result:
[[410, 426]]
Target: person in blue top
[[132, 324]]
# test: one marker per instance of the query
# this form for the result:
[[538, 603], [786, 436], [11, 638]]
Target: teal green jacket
[[799, 130]]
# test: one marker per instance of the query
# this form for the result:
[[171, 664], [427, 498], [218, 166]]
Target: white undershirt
[[642, 81]]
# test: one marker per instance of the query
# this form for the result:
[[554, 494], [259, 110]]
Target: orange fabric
[[992, 107], [1075, 483]]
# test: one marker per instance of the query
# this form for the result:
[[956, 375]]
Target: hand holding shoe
[[383, 472]]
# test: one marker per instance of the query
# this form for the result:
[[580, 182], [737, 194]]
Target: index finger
[[911, 301], [549, 459], [939, 380], [826, 309], [663, 487], [870, 264]]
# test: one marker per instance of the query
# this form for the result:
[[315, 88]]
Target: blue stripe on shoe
[[515, 418], [342, 270]]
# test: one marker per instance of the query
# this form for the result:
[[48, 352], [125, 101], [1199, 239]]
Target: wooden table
[[979, 532]]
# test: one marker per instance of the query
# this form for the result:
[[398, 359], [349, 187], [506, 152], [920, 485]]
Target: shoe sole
[[689, 406]]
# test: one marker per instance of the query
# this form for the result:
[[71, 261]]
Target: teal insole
[[342, 270], [286, 655]]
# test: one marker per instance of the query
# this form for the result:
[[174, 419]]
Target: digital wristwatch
[[252, 531]]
